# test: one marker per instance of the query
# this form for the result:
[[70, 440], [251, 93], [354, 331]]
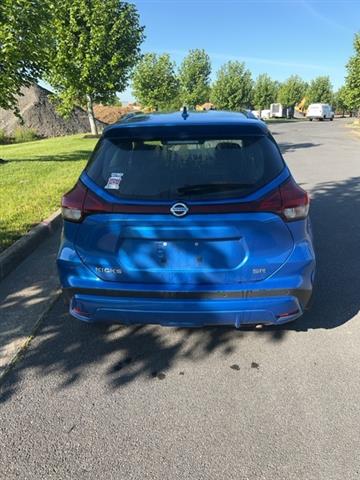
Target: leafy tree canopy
[[265, 91], [194, 77], [95, 46], [320, 90], [155, 85], [292, 91], [340, 100], [353, 77], [233, 86], [24, 37]]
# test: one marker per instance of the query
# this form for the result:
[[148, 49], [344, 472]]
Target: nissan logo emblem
[[179, 209]]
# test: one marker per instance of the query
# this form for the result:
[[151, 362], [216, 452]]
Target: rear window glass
[[184, 169]]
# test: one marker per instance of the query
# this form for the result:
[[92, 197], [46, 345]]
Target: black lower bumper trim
[[302, 295]]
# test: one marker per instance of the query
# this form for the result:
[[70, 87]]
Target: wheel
[[310, 119], [331, 119]]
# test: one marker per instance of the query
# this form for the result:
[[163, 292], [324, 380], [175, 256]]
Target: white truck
[[319, 111]]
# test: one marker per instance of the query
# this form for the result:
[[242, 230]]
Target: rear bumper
[[280, 298], [189, 312]]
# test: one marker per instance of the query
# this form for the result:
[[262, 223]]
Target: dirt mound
[[111, 114], [39, 114]]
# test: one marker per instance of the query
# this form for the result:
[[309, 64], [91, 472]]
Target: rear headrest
[[125, 145], [227, 146], [144, 146]]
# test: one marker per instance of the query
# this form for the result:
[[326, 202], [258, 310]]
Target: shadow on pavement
[[70, 349], [336, 223], [291, 147]]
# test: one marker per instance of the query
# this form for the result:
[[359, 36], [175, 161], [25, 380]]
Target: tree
[[353, 77], [340, 100], [320, 90], [155, 85], [96, 44], [232, 89], [292, 91], [265, 91], [113, 102], [24, 37], [194, 77]]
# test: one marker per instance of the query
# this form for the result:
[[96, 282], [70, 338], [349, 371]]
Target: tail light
[[72, 203], [295, 201], [80, 201], [289, 201]]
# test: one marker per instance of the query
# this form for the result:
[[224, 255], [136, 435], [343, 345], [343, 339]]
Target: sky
[[278, 37]]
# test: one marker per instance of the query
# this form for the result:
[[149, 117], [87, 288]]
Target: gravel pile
[[40, 115], [112, 114]]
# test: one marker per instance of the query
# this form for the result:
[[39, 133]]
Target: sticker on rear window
[[114, 181]]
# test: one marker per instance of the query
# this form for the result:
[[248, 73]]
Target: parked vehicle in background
[[261, 114], [205, 106], [320, 111], [187, 219], [265, 114], [250, 114], [277, 110], [301, 106]]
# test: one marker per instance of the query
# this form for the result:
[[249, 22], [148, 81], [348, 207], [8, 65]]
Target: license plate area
[[182, 255]]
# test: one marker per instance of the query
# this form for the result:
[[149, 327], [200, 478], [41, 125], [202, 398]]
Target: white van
[[320, 111]]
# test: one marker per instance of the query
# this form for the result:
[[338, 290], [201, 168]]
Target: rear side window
[[191, 169]]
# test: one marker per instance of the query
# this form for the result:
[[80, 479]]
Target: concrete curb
[[16, 253]]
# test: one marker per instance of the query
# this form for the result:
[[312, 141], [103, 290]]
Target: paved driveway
[[216, 403]]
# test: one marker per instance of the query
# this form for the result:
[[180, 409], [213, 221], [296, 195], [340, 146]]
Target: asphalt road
[[215, 403]]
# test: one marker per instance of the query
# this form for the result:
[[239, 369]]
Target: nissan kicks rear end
[[187, 220]]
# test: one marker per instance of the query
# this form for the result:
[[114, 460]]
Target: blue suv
[[187, 220]]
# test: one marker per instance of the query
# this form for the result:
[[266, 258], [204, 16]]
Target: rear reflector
[[287, 314], [289, 201]]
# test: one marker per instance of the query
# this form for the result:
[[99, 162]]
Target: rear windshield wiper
[[211, 187]]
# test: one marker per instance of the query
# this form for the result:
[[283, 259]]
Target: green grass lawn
[[34, 179]]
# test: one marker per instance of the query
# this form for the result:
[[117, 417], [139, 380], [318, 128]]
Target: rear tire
[[310, 119]]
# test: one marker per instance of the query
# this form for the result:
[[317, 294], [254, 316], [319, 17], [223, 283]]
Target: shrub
[[3, 137], [24, 134]]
